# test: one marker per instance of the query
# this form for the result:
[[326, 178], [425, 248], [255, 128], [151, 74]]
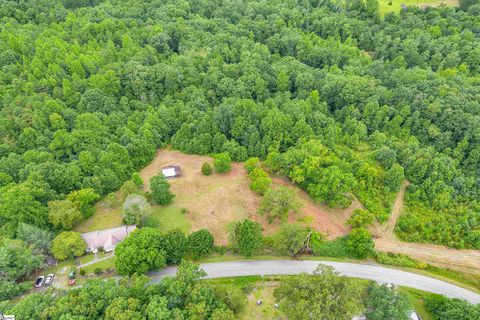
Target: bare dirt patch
[[215, 201], [461, 260]]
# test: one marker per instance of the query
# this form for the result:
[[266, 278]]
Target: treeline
[[91, 89], [181, 297]]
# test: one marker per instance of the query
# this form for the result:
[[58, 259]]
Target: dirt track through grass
[[460, 260]]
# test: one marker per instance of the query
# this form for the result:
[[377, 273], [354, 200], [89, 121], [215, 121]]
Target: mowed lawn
[[396, 4]]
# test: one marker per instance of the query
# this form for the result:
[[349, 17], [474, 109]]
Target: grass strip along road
[[351, 270]]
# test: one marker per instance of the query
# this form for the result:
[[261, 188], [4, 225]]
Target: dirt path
[[461, 260], [387, 229]]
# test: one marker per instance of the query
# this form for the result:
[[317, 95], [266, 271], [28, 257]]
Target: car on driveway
[[49, 280], [39, 281]]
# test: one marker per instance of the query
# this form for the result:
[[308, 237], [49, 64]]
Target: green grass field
[[104, 264], [396, 4], [171, 217], [416, 300]]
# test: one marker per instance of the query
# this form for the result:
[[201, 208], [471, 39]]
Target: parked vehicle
[[39, 281], [71, 277], [49, 280]]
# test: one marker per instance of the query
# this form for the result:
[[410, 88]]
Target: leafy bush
[[82, 272], [251, 164], [137, 180], [206, 169], [160, 190], [290, 239], [360, 218], [222, 163], [136, 209], [260, 181], [246, 237], [334, 248], [10, 289], [278, 202], [200, 243], [174, 243], [98, 271], [360, 243], [451, 309]]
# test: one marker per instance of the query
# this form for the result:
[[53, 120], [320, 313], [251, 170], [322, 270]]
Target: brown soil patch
[[461, 260], [215, 201]]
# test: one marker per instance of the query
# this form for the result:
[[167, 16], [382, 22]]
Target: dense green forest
[[345, 103]]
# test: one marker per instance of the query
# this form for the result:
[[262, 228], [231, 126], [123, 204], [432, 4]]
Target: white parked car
[[49, 280]]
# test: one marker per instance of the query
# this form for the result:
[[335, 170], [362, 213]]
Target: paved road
[[363, 271]]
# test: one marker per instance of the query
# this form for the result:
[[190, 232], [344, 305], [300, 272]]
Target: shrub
[[98, 271], [290, 239], [137, 180], [200, 243], [360, 243], [222, 163], [136, 209], [251, 164], [246, 237], [174, 243], [82, 272], [259, 181], [360, 218], [445, 308], [278, 202], [128, 187], [206, 169], [334, 248], [161, 190]]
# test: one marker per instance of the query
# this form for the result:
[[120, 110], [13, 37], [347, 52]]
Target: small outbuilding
[[171, 172]]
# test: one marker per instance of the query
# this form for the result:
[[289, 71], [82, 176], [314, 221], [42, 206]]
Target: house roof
[[171, 171], [107, 238]]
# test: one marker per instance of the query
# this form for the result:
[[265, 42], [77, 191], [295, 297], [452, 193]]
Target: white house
[[106, 239]]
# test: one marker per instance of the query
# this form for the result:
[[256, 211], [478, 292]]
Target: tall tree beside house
[[384, 302], [160, 189], [68, 244], [140, 252], [136, 209], [324, 295]]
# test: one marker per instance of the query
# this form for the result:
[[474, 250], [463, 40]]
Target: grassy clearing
[[105, 217], [396, 4], [416, 298], [171, 217], [104, 264]]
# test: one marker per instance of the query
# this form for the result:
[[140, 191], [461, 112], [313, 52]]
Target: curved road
[[353, 270]]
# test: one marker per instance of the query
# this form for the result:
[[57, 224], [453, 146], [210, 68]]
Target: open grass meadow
[[387, 6]]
